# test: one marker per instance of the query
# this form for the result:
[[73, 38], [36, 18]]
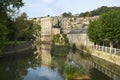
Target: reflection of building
[[43, 54], [78, 36]]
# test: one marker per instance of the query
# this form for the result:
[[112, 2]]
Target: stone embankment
[[109, 54]]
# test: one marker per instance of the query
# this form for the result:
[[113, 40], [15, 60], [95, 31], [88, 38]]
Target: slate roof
[[78, 31]]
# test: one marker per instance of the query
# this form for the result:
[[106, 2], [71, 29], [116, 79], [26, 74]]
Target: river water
[[40, 65]]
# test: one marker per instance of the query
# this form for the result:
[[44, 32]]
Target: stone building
[[49, 27], [46, 28], [78, 36], [56, 25]]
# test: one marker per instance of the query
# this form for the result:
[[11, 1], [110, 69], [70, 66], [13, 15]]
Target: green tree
[[106, 28], [69, 14], [110, 26], [56, 38], [66, 40], [3, 33], [6, 7], [94, 31], [21, 27], [98, 11]]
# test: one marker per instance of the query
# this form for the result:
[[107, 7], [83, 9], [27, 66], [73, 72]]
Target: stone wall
[[106, 56]]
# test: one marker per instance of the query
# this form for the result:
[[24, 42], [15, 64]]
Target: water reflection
[[31, 67], [45, 54], [42, 66], [43, 73]]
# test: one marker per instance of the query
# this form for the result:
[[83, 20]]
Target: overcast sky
[[39, 8]]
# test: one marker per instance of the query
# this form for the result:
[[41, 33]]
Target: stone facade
[[46, 28], [78, 36], [49, 27], [55, 31], [56, 25]]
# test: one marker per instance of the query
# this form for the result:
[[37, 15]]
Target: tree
[[56, 38], [34, 29], [94, 31], [110, 26], [3, 32], [106, 28], [24, 28], [6, 7], [69, 14], [98, 11]]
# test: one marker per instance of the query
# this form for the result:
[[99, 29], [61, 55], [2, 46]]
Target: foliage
[[74, 48], [69, 14], [72, 71], [61, 39], [60, 51], [3, 33], [105, 28], [6, 7], [34, 30], [22, 28], [56, 38], [66, 40], [94, 30], [98, 11], [20, 25]]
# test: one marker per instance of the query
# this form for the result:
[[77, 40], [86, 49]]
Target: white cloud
[[48, 1]]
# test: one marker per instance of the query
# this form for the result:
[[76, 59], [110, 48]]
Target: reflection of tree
[[74, 48], [7, 71], [58, 63], [22, 66], [16, 69]]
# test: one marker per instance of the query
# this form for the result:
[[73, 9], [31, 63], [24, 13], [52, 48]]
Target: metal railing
[[106, 49]]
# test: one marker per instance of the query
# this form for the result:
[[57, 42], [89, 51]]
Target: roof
[[78, 31]]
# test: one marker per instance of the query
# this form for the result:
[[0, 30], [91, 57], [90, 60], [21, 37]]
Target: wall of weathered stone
[[106, 56]]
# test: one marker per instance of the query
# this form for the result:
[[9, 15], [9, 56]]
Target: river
[[40, 65]]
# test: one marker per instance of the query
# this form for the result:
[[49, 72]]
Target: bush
[[74, 48]]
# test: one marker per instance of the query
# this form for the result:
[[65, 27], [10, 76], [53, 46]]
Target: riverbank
[[11, 49]]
